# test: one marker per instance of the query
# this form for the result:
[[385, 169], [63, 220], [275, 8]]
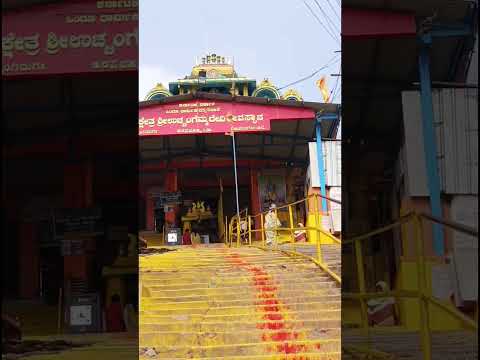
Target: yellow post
[[361, 282], [249, 230], [229, 234], [238, 231], [262, 230], [276, 231], [290, 215], [225, 234], [422, 288], [317, 228]]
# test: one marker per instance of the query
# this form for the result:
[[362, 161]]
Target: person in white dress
[[271, 222]]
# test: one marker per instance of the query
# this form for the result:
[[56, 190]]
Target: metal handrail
[[424, 299], [234, 230], [451, 224]]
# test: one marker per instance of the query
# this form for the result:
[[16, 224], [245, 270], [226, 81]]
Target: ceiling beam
[[256, 157]]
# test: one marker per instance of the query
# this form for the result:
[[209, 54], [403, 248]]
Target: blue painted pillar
[[321, 165], [429, 142]]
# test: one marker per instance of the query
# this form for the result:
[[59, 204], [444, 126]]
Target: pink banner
[[210, 117], [74, 37]]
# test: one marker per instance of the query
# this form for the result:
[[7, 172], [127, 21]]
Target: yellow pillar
[[245, 90]]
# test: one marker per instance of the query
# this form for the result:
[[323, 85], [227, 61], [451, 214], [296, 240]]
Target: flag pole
[[232, 134]]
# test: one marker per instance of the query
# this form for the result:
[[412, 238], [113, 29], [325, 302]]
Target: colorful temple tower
[[216, 74]]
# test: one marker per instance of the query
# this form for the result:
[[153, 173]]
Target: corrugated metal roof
[[332, 154], [464, 210], [456, 126], [332, 159]]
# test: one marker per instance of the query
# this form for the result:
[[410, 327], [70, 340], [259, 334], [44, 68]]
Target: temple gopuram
[[216, 74]]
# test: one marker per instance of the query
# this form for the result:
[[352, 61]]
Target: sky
[[276, 39]]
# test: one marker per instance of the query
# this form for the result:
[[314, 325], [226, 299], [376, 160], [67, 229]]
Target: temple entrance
[[204, 198], [187, 160]]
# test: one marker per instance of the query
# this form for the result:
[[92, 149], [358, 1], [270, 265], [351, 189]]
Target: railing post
[[226, 230], [423, 301], [239, 230], [317, 229], [262, 229], [292, 233], [361, 282], [249, 230], [276, 231]]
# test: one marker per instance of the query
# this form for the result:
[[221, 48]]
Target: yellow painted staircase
[[214, 302]]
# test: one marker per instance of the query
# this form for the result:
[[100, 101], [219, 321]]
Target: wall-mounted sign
[[85, 221], [173, 236], [210, 117], [167, 198], [74, 37], [83, 313]]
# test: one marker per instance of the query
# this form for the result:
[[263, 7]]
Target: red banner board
[[360, 23], [73, 37], [210, 117]]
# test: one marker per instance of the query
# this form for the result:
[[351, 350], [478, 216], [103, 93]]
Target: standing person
[[114, 314], [271, 222], [187, 238]]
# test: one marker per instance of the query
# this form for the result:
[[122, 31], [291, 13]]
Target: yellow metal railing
[[425, 300], [240, 231]]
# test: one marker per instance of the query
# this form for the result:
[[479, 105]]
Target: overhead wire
[[331, 29], [339, 88], [327, 30], [332, 92], [327, 18], [332, 61], [333, 10]]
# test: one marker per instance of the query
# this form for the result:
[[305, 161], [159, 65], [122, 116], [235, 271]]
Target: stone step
[[253, 336], [297, 312], [239, 307], [280, 356], [246, 294], [299, 286], [149, 317], [204, 350], [198, 323]]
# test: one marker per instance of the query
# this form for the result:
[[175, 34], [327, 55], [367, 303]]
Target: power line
[[332, 61], [332, 93], [333, 10], [337, 90], [329, 21], [320, 22]]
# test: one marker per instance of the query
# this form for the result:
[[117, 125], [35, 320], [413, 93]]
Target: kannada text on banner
[[74, 37], [203, 117]]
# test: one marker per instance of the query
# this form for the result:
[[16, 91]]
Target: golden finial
[[292, 94]]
